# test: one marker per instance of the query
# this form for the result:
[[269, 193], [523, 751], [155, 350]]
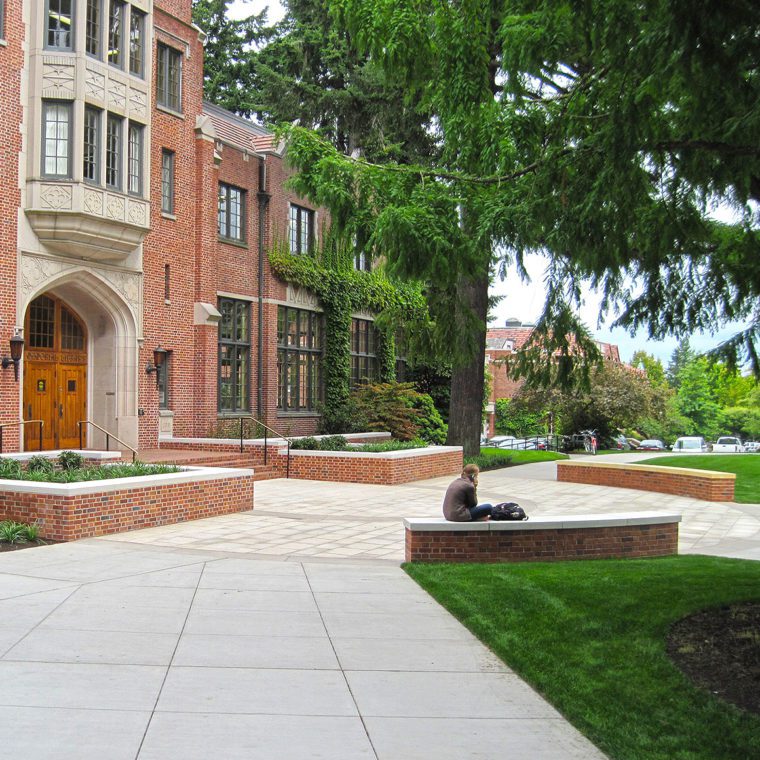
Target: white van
[[691, 444]]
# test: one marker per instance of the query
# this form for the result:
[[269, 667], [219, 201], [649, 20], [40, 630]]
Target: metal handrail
[[266, 430], [41, 423], [108, 437]]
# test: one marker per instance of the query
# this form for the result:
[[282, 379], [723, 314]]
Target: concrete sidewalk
[[117, 651]]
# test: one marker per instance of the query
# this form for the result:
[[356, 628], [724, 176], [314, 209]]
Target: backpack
[[508, 510]]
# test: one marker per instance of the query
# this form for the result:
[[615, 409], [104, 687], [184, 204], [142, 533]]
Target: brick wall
[[83, 515], [542, 545], [700, 484], [11, 63]]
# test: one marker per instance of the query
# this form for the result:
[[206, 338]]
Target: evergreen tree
[[682, 356]]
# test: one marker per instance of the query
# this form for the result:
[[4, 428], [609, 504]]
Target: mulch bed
[[719, 649], [6, 547]]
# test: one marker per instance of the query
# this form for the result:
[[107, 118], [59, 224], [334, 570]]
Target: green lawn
[[492, 458], [746, 467], [590, 636]]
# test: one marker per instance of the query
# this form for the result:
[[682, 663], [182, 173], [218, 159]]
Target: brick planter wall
[[68, 511], [679, 481], [388, 468], [543, 540]]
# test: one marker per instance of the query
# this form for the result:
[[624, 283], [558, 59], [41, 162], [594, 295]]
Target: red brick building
[[136, 219], [503, 343]]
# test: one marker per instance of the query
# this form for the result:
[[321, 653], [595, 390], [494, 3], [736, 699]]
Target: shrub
[[490, 461], [332, 443], [308, 443], [40, 463], [389, 407], [383, 446], [432, 427], [70, 460], [10, 469]]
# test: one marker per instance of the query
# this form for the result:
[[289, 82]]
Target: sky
[[524, 301]]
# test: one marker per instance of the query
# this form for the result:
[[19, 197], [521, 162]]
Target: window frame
[[70, 46], [164, 56], [137, 161], [2, 19], [167, 183], [117, 167], [139, 70], [162, 381], [225, 215], [68, 106], [97, 144], [296, 217], [295, 355], [113, 29], [362, 358], [235, 346]]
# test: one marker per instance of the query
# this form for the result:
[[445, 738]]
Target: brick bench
[[678, 481], [550, 538]]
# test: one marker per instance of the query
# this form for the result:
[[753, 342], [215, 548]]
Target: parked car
[[652, 444], [752, 447], [691, 444], [728, 444]]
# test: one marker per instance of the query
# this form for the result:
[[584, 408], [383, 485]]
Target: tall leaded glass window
[[363, 352], [169, 77], [56, 133], [136, 43], [167, 181], [91, 169], [94, 27], [231, 212], [113, 151], [301, 229], [116, 11], [60, 24], [299, 359], [135, 159], [234, 355], [162, 381]]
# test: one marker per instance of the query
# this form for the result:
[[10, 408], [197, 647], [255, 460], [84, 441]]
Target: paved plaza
[[285, 632]]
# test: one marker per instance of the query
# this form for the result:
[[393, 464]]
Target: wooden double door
[[55, 374]]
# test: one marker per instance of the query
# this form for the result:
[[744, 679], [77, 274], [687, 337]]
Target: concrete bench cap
[[544, 522]]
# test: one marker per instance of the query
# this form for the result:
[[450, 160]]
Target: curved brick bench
[[626, 534], [678, 481]]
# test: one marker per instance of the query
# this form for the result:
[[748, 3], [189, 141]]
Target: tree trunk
[[466, 408]]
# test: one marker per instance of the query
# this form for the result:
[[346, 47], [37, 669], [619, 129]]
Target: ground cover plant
[[591, 637], [71, 468], [745, 466], [339, 443]]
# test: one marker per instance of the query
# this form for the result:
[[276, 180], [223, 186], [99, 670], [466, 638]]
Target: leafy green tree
[[696, 398], [652, 366], [511, 419], [600, 133], [230, 57]]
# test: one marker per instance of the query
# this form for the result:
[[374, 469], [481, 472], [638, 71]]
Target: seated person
[[461, 501]]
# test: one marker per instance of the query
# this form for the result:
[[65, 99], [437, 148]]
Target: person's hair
[[470, 470]]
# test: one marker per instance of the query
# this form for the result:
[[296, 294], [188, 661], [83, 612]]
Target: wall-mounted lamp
[[17, 349], [159, 356]]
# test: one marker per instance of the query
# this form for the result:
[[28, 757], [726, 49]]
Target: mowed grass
[[590, 636], [493, 458], [745, 466]]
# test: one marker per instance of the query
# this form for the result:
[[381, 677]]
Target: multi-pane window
[[301, 229], [169, 77], [136, 43], [234, 355], [59, 24], [299, 359], [116, 12], [362, 261], [42, 323], [167, 181], [114, 126], [91, 169], [135, 159], [56, 131], [93, 27], [363, 357], [231, 212]]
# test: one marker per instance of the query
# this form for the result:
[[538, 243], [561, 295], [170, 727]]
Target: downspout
[[263, 198]]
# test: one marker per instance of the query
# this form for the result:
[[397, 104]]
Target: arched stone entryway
[[81, 350]]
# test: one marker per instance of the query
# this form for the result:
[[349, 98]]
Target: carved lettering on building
[[303, 298]]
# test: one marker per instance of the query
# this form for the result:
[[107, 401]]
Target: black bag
[[508, 510]]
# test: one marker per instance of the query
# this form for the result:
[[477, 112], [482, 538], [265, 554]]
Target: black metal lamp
[[17, 350], [159, 356]]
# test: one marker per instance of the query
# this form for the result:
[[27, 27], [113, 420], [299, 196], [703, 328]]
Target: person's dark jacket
[[460, 496]]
